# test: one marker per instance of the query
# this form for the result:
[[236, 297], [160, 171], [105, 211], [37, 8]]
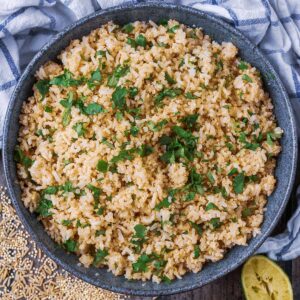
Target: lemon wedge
[[264, 280]]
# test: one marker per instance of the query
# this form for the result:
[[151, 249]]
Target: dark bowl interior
[[219, 31]]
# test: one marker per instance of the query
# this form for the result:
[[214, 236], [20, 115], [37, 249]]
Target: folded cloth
[[273, 25]]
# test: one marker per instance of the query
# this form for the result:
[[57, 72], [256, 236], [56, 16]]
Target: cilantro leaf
[[166, 202], [131, 42], [169, 79], [93, 109], [145, 150], [119, 97], [197, 227], [100, 256], [79, 128], [173, 29], [233, 171], [140, 231], [96, 192], [65, 80], [190, 120], [247, 78], [66, 222], [21, 158], [50, 190], [246, 212], [120, 71], [242, 65], [102, 166], [210, 177], [238, 183], [132, 91], [190, 95], [95, 79], [141, 40], [141, 264], [128, 28], [43, 207], [172, 93], [123, 155], [196, 251], [71, 245], [210, 206], [215, 222], [43, 87]]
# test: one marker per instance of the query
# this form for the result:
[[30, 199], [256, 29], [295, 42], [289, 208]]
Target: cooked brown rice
[[148, 149]]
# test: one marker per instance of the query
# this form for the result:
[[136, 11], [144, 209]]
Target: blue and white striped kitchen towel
[[274, 25]]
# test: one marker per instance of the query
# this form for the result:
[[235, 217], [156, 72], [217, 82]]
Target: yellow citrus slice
[[264, 280]]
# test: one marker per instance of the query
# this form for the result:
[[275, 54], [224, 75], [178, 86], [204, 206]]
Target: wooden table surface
[[229, 286]]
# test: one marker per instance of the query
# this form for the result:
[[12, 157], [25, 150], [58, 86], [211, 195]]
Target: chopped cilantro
[[169, 79], [48, 109], [120, 71], [66, 222], [96, 192], [101, 53], [246, 212], [95, 79], [119, 116], [99, 232], [132, 91], [173, 29], [247, 78], [141, 264], [50, 190], [134, 130], [196, 251], [141, 40], [210, 206], [67, 104], [233, 171], [190, 96], [21, 158], [145, 150], [181, 63], [158, 126], [43, 87], [242, 65], [128, 28], [123, 155], [93, 109], [79, 128], [100, 211], [119, 97], [190, 120], [166, 202], [131, 42], [166, 279], [102, 166], [100, 256], [66, 80], [43, 207], [197, 227], [190, 196], [210, 177], [215, 222], [172, 93], [238, 183], [71, 245]]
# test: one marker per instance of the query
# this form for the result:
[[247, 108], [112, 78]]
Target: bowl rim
[[69, 268]]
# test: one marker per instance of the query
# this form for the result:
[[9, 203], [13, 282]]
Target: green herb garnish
[[21, 158], [169, 79], [99, 256], [210, 206], [43, 86], [79, 128], [102, 166], [239, 183]]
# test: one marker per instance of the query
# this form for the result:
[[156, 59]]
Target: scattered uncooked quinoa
[[148, 149]]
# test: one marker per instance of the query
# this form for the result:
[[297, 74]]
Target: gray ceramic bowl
[[219, 31]]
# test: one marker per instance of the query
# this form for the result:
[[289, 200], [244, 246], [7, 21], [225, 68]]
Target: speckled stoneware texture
[[219, 31]]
